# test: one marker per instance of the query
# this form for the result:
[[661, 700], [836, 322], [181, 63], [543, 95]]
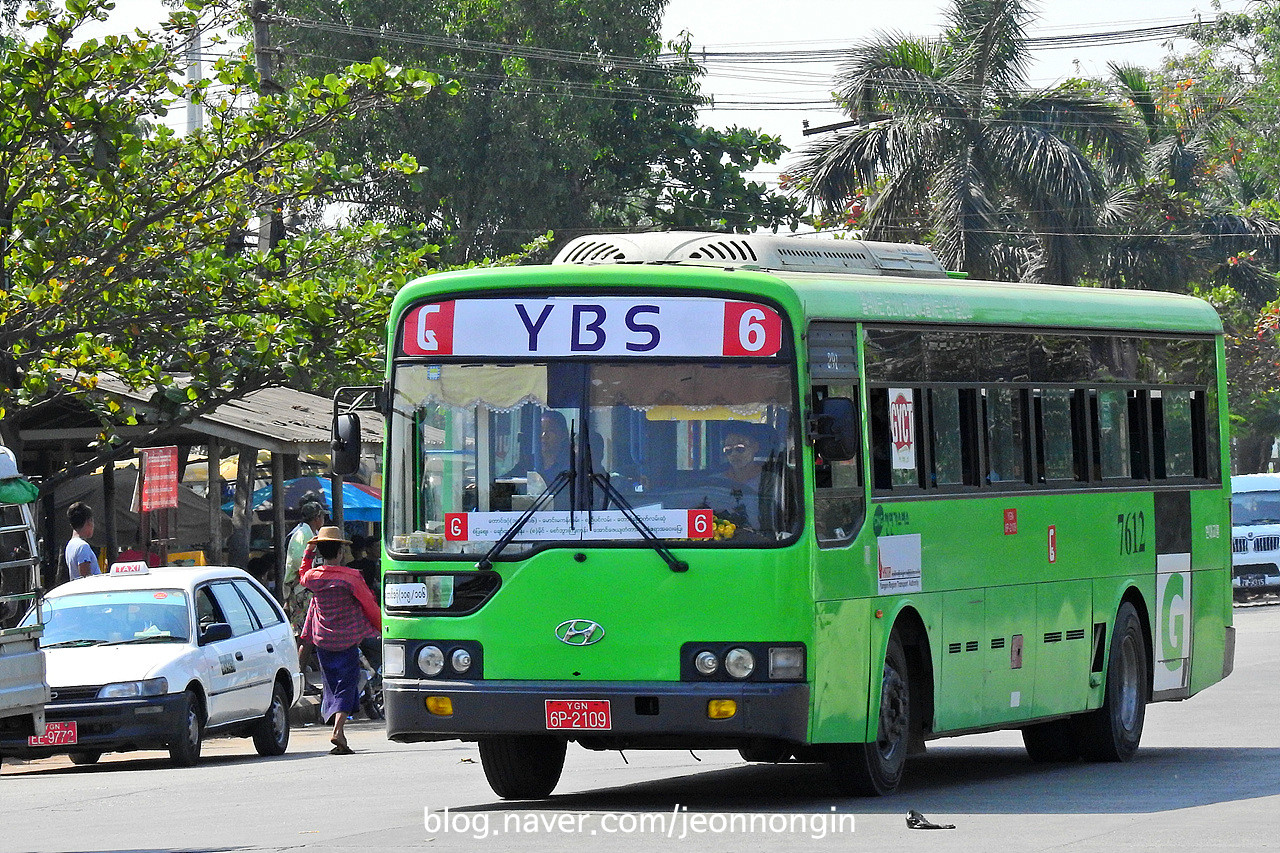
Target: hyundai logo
[[579, 632]]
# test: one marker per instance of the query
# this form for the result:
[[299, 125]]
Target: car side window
[[237, 612], [207, 610], [264, 608]]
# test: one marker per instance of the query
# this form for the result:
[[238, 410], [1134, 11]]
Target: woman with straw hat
[[341, 614]]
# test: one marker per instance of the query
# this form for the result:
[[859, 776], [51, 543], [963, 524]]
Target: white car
[[161, 658], [1255, 534]]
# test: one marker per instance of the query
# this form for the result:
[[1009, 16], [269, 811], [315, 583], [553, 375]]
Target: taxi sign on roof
[[131, 567]]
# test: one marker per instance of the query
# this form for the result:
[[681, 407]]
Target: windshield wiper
[[150, 638], [548, 494], [628, 511], [72, 644]]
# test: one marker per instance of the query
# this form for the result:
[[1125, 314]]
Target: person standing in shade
[[81, 561], [342, 612], [294, 595]]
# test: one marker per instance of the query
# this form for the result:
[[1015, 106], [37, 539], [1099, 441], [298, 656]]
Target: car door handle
[[271, 650], [239, 655]]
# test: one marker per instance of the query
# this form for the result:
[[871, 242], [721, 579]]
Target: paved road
[[1207, 777]]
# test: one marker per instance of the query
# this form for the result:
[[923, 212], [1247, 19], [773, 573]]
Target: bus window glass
[[948, 463], [1179, 457], [1113, 434], [838, 504], [1056, 442], [486, 442], [1006, 436]]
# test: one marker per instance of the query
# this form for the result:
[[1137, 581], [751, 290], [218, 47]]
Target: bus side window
[[1060, 452], [838, 501], [954, 437], [900, 466], [1008, 448]]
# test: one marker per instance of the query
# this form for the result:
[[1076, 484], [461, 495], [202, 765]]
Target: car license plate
[[1252, 580], [588, 714], [55, 734]]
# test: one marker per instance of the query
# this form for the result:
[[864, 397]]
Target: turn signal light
[[721, 709], [441, 706]]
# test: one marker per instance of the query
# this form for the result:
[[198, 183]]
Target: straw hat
[[329, 534]]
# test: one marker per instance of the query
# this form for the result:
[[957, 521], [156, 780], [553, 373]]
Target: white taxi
[[164, 657], [1255, 534]]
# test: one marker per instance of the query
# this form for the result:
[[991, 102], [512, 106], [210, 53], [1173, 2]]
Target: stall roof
[[279, 420]]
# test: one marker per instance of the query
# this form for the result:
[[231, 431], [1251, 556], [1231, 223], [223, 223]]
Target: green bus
[[813, 500]]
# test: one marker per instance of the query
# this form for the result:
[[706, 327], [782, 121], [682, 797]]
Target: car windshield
[[700, 450], [124, 616], [1255, 508]]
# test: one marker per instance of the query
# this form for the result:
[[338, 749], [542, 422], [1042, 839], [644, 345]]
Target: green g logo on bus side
[[1173, 634]]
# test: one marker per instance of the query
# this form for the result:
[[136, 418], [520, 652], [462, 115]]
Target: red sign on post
[[159, 478]]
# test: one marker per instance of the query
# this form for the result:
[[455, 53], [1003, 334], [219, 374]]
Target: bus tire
[[1053, 742], [875, 769], [1112, 732], [522, 767]]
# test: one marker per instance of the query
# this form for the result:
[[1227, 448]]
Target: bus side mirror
[[834, 429], [346, 444]]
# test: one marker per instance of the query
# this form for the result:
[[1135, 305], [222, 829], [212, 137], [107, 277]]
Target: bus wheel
[[875, 769], [1112, 732], [1054, 741], [525, 767]]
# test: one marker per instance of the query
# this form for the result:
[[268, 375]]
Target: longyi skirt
[[340, 675]]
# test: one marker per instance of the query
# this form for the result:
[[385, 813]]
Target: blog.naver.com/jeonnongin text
[[679, 823]]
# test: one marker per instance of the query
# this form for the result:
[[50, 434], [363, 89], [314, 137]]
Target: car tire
[[522, 767], [875, 769], [271, 734], [184, 748], [85, 757], [1112, 732]]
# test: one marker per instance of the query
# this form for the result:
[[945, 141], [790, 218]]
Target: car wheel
[[522, 767], [85, 757], [271, 734], [184, 748], [875, 769], [1112, 732]]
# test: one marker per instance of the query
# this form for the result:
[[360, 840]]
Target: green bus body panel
[[978, 585]]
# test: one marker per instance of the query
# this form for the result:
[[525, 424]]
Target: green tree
[[119, 244], [1005, 182], [570, 119]]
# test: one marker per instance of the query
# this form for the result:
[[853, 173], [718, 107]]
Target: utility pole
[[270, 221], [195, 73]]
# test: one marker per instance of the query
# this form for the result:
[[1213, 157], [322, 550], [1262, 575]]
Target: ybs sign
[[610, 326]]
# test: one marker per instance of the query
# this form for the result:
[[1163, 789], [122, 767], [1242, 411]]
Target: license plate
[[55, 734], [581, 714], [1252, 580]]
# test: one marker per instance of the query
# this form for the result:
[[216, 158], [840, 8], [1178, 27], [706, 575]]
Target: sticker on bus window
[[593, 326], [900, 568], [597, 525], [902, 428]]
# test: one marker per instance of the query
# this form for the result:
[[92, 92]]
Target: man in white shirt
[[81, 561]]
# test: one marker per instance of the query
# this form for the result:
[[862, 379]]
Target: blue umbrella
[[359, 502]]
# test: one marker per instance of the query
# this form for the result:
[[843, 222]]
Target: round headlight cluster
[[706, 663], [430, 660], [739, 663]]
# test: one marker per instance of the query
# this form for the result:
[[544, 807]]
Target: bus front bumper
[[653, 714]]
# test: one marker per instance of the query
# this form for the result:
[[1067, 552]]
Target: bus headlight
[[706, 663], [739, 663], [430, 660], [393, 660], [460, 660], [786, 662]]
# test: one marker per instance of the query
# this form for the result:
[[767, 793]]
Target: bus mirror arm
[[672, 561], [834, 429], [548, 494]]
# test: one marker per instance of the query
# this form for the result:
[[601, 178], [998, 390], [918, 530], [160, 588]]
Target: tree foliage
[[570, 119], [953, 147], [120, 238]]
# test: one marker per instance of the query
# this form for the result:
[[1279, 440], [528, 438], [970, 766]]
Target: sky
[[779, 98]]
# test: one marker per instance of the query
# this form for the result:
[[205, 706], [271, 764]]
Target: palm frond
[[967, 217], [1134, 83], [1088, 122], [1046, 171], [988, 38], [854, 160], [902, 75]]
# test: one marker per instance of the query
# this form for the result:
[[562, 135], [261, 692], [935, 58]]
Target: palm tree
[[1178, 220], [1007, 180]]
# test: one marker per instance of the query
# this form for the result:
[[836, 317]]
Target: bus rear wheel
[[1112, 732], [522, 767], [875, 769]]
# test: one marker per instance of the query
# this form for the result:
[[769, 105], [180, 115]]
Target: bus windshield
[[701, 451]]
